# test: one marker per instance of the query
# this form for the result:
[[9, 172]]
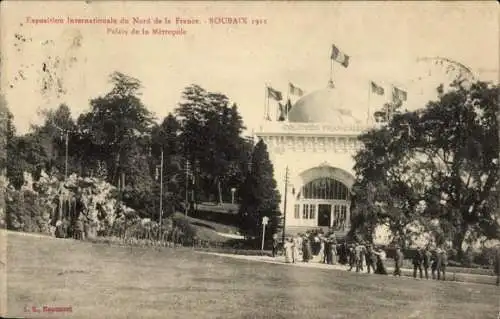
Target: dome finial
[[330, 84]]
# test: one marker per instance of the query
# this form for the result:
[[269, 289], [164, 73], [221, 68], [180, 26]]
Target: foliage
[[435, 164], [187, 230], [259, 195], [27, 212], [210, 139], [118, 142]]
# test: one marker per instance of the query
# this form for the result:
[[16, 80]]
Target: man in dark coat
[[436, 264], [275, 245], [398, 261], [360, 256], [352, 255], [371, 258], [417, 262], [327, 259], [426, 261]]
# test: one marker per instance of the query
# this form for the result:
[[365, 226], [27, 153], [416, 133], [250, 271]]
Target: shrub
[[485, 257], [183, 224]]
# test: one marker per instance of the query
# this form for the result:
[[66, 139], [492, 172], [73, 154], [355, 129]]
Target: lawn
[[101, 281]]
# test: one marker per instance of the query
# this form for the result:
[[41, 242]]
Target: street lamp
[[233, 190]]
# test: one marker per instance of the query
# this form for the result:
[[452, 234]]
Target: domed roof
[[322, 106]]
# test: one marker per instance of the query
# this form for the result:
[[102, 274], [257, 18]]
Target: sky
[[384, 42]]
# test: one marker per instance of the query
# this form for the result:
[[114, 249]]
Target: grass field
[[101, 281]]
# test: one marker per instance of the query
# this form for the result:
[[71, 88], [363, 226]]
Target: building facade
[[314, 150]]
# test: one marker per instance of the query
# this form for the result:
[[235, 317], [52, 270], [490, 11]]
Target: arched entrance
[[327, 198], [324, 199]]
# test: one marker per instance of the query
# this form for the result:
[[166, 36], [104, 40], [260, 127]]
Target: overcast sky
[[383, 41]]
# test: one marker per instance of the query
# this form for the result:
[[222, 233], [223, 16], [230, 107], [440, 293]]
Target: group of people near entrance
[[359, 256]]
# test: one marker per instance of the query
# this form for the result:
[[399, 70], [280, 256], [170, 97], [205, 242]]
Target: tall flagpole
[[268, 116], [286, 104], [369, 95], [265, 102], [331, 73]]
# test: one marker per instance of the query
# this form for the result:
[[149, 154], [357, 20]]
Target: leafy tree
[[6, 135], [439, 163], [117, 123], [52, 136], [116, 134], [210, 138], [259, 195], [165, 137]]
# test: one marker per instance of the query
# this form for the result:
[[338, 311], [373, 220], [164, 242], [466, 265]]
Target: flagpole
[[286, 104], [266, 103], [369, 95], [331, 72]]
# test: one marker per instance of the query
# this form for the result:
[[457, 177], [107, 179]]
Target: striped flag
[[295, 90], [339, 56], [274, 94], [377, 89], [399, 95], [288, 106]]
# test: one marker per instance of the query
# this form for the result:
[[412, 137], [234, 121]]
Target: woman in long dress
[[380, 270], [288, 250], [333, 251]]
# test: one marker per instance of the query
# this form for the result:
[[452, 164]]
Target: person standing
[[327, 259], [306, 249], [398, 261], [380, 254], [436, 264], [352, 256], [426, 261], [360, 256], [275, 245], [333, 250], [371, 258], [444, 263], [497, 264], [288, 247], [417, 262], [296, 249]]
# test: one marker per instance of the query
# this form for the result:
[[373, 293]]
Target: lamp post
[[233, 190], [284, 205], [161, 194]]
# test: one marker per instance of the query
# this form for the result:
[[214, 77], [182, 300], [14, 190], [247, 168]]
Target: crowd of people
[[360, 256]]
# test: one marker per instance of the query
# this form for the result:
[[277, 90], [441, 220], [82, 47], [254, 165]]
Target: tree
[[439, 163], [165, 137], [259, 195], [6, 135], [116, 133], [210, 138], [117, 123], [52, 137]]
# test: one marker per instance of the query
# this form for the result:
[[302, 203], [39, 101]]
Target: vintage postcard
[[249, 159]]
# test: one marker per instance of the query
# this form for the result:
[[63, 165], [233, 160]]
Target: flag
[[399, 95], [288, 106], [295, 90], [377, 89], [274, 94], [340, 57], [281, 115]]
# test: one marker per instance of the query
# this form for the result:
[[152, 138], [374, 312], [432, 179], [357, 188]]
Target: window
[[309, 211], [297, 211], [339, 217], [312, 212], [324, 188], [305, 211]]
